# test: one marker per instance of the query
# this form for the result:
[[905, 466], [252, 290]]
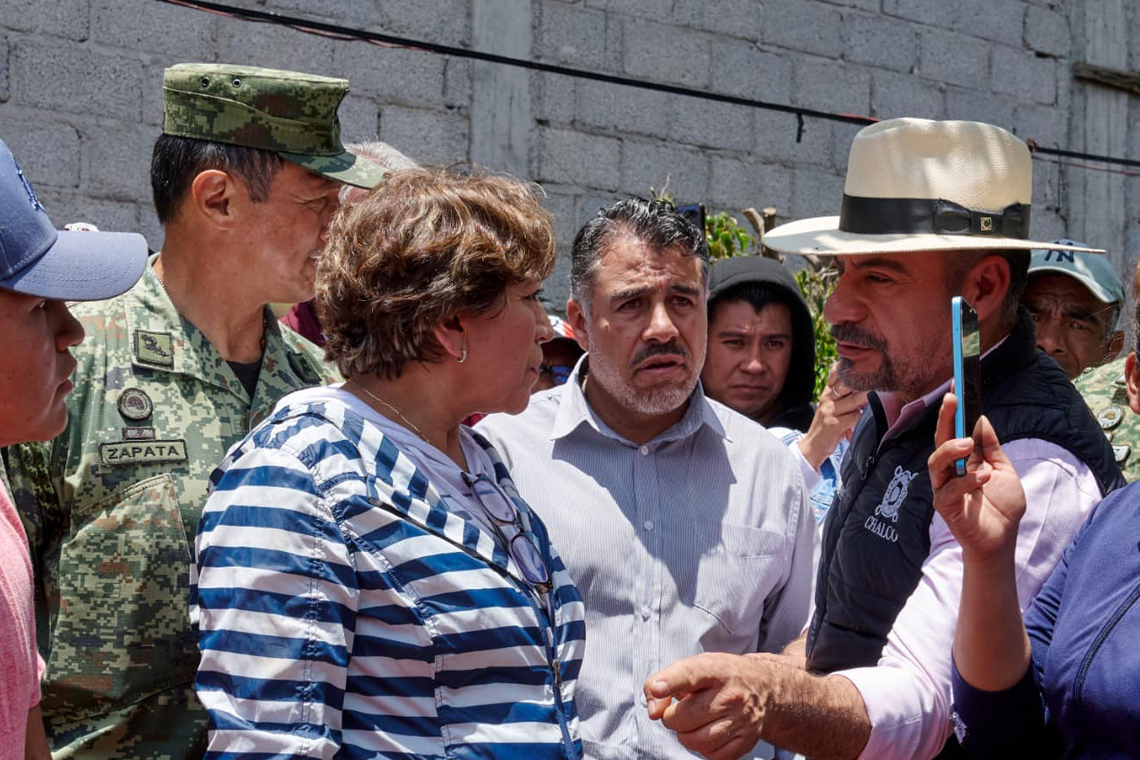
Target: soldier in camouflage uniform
[[1105, 390], [173, 373]]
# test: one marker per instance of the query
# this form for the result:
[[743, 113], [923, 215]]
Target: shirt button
[[649, 525], [644, 451], [645, 611]]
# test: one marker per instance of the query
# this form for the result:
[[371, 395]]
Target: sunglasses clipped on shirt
[[559, 373], [498, 506]]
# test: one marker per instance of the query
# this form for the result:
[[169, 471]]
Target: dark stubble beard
[[893, 373], [654, 401]]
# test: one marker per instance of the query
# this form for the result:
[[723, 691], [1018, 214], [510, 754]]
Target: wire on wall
[[335, 31]]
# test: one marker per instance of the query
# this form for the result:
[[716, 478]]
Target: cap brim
[[1094, 287], [84, 266], [821, 236], [343, 167]]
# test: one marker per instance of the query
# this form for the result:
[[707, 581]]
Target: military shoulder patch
[[155, 348], [135, 405], [141, 452], [139, 434]]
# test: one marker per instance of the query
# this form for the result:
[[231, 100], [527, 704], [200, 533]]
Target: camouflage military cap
[[291, 114]]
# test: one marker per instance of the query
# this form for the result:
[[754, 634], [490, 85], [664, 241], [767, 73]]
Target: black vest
[[877, 533]]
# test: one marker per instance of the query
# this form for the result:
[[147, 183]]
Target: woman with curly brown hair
[[369, 581]]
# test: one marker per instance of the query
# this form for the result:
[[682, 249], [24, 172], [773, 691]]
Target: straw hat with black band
[[921, 185]]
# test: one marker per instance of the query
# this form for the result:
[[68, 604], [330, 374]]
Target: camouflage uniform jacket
[[111, 508], [1105, 393]]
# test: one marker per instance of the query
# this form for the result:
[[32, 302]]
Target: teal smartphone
[[967, 372]]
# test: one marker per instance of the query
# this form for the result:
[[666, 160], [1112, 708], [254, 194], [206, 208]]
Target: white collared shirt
[[698, 541]]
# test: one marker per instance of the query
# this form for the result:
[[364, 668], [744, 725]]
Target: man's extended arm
[[732, 701]]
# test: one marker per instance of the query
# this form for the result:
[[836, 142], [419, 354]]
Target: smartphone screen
[[967, 371]]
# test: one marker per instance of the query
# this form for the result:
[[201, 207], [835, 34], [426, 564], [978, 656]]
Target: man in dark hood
[[761, 350]]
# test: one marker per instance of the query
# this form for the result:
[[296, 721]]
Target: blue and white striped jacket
[[343, 611]]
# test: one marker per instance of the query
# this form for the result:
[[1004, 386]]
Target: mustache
[[672, 348], [845, 332]]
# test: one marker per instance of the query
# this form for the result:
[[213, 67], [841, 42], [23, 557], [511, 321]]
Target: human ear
[[1132, 382], [212, 195], [1115, 344], [452, 337], [986, 285], [576, 316]]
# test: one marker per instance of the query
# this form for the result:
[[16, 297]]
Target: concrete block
[[578, 158], [447, 22], [1022, 74], [895, 95], [572, 35], [1048, 224], [179, 34], [742, 69], [82, 80], [739, 182], [1047, 31], [1046, 191], [775, 140], [3, 68], [457, 79], [874, 6], [646, 165], [563, 207], [624, 109], [149, 226], [727, 18], [647, 10], [59, 18], [1049, 127], [278, 47], [65, 207], [841, 137], [430, 137], [711, 125], [355, 13], [831, 86], [553, 97], [806, 26], [880, 42], [116, 160], [971, 105], [152, 93], [815, 193], [1002, 22], [359, 118], [954, 59], [667, 53], [47, 152], [392, 74], [929, 12]]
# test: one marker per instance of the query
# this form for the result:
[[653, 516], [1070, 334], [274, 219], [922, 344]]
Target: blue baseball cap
[[38, 260], [1092, 270]]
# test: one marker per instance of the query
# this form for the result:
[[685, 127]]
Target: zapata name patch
[[141, 452]]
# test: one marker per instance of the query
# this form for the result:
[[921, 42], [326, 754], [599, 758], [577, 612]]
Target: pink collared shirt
[[20, 664], [908, 694]]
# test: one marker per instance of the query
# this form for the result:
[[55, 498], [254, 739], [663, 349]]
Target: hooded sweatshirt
[[796, 396]]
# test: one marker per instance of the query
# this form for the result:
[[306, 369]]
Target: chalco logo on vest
[[888, 508]]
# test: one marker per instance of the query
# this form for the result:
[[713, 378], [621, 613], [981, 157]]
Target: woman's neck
[[418, 401]]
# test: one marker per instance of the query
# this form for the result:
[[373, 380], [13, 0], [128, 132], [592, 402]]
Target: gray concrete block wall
[[80, 99]]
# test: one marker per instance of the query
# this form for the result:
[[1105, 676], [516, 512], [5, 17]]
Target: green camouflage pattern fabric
[[111, 508], [292, 114], [1106, 394]]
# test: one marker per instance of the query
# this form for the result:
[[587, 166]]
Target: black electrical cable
[[348, 33]]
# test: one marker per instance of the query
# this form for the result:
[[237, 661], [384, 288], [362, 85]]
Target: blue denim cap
[[1092, 270], [38, 260]]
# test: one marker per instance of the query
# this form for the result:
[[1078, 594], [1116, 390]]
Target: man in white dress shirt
[[930, 210], [683, 523]]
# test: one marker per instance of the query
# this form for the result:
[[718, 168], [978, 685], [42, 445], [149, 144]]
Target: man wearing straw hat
[[930, 210], [246, 177]]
